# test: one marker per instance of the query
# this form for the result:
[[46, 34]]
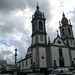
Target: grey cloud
[[50, 33], [6, 28], [10, 25], [13, 25], [44, 7], [6, 54], [1, 55], [21, 47], [10, 5]]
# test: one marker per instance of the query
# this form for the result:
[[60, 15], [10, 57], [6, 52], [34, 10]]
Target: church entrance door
[[61, 62]]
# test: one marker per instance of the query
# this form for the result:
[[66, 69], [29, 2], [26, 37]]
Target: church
[[43, 54]]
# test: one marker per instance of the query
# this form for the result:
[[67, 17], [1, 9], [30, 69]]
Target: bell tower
[[38, 27], [66, 31], [39, 39]]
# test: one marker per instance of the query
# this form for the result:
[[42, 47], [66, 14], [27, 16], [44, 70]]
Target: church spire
[[64, 20], [38, 13], [38, 26], [63, 14], [37, 8]]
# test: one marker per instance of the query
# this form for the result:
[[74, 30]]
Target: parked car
[[55, 72], [73, 72], [61, 71]]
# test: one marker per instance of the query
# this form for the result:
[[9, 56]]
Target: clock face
[[41, 38]]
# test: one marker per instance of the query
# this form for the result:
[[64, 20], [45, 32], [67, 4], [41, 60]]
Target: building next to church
[[4, 66], [43, 54]]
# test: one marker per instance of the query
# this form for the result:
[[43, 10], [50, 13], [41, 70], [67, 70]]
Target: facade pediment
[[58, 41]]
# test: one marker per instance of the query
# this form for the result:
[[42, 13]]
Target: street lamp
[[54, 64], [15, 59]]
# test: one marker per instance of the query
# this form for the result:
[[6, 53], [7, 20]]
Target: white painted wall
[[55, 55], [28, 64], [20, 64], [33, 40], [42, 53], [25, 66], [73, 55], [34, 54], [66, 56]]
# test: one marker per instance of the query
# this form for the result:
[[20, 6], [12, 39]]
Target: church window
[[22, 64], [33, 26], [69, 31], [63, 32], [60, 52], [26, 62], [59, 41], [42, 57], [19, 67], [31, 61], [71, 42], [40, 25]]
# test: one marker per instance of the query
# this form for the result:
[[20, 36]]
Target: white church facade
[[44, 55]]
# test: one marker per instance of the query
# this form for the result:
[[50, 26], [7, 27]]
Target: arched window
[[33, 27], [63, 32], [40, 25], [69, 31], [60, 52]]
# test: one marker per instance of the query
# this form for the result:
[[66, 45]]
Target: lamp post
[[33, 66], [15, 59], [15, 72], [54, 64]]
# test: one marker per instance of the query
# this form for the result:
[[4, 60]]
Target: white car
[[73, 72], [55, 72], [61, 71]]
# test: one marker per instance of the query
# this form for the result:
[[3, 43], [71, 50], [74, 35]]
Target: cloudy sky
[[16, 28]]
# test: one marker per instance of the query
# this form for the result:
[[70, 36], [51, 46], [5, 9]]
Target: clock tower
[[39, 39]]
